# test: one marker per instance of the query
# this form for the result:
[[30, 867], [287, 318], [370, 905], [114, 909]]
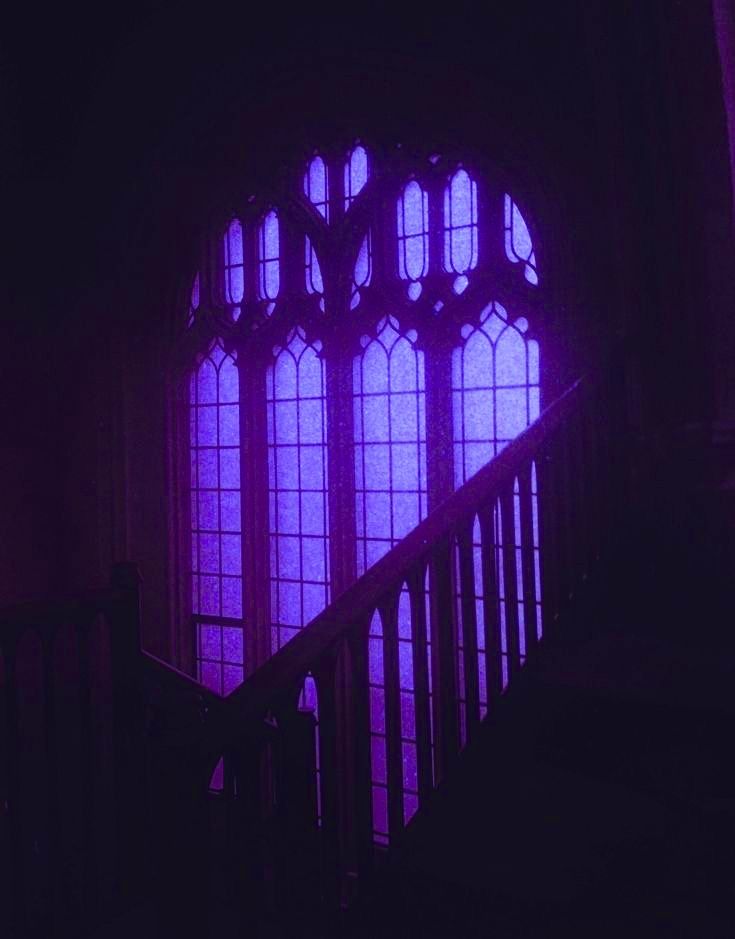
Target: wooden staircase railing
[[296, 849], [292, 832]]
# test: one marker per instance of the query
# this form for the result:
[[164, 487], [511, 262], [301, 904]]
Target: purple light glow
[[234, 270], [269, 267], [216, 568], [390, 441], [495, 389], [356, 175], [297, 484], [316, 186], [518, 244], [314, 281], [413, 234], [460, 225]]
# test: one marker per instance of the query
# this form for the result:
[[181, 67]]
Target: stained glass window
[[460, 228], [316, 186], [269, 265], [495, 395], [378, 742], [194, 299], [314, 281], [518, 244], [390, 441], [216, 564], [495, 389], [413, 237], [234, 269], [356, 174], [297, 486], [409, 754], [362, 271]]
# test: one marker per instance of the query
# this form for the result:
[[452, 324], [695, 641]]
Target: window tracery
[[348, 330]]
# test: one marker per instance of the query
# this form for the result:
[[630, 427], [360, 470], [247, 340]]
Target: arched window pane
[[378, 745], [390, 441], [495, 389], [194, 298], [316, 186], [363, 270], [297, 484], [314, 282], [216, 564], [518, 244], [234, 269], [460, 224], [269, 274], [356, 174], [413, 233]]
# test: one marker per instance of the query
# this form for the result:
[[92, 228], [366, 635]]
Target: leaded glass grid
[[297, 487], [390, 441], [216, 541], [495, 389]]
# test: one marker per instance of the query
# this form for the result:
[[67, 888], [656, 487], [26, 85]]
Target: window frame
[[257, 330]]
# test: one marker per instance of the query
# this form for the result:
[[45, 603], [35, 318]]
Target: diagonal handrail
[[291, 662]]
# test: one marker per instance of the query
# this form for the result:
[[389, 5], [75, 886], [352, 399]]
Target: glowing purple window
[[408, 707], [390, 440], [216, 565], [316, 186], [413, 236], [356, 174], [362, 271], [495, 389], [234, 269], [269, 266], [378, 739], [518, 244], [460, 224], [297, 484], [194, 298], [314, 281]]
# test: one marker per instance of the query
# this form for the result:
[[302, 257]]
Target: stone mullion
[[254, 508]]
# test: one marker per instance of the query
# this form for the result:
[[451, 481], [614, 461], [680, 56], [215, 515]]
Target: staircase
[[595, 795]]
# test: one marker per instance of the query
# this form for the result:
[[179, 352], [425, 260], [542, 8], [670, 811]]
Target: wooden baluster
[[422, 700], [359, 797], [249, 822], [391, 672], [297, 851], [528, 566], [579, 496], [493, 655], [331, 781], [466, 600], [565, 510], [443, 663], [550, 535], [510, 585]]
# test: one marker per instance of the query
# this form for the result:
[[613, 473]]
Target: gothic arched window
[[356, 348]]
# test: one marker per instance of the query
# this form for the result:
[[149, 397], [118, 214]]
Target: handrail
[[398, 697], [360, 599]]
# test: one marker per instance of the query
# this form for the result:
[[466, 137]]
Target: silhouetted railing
[[107, 753], [70, 807], [487, 574]]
